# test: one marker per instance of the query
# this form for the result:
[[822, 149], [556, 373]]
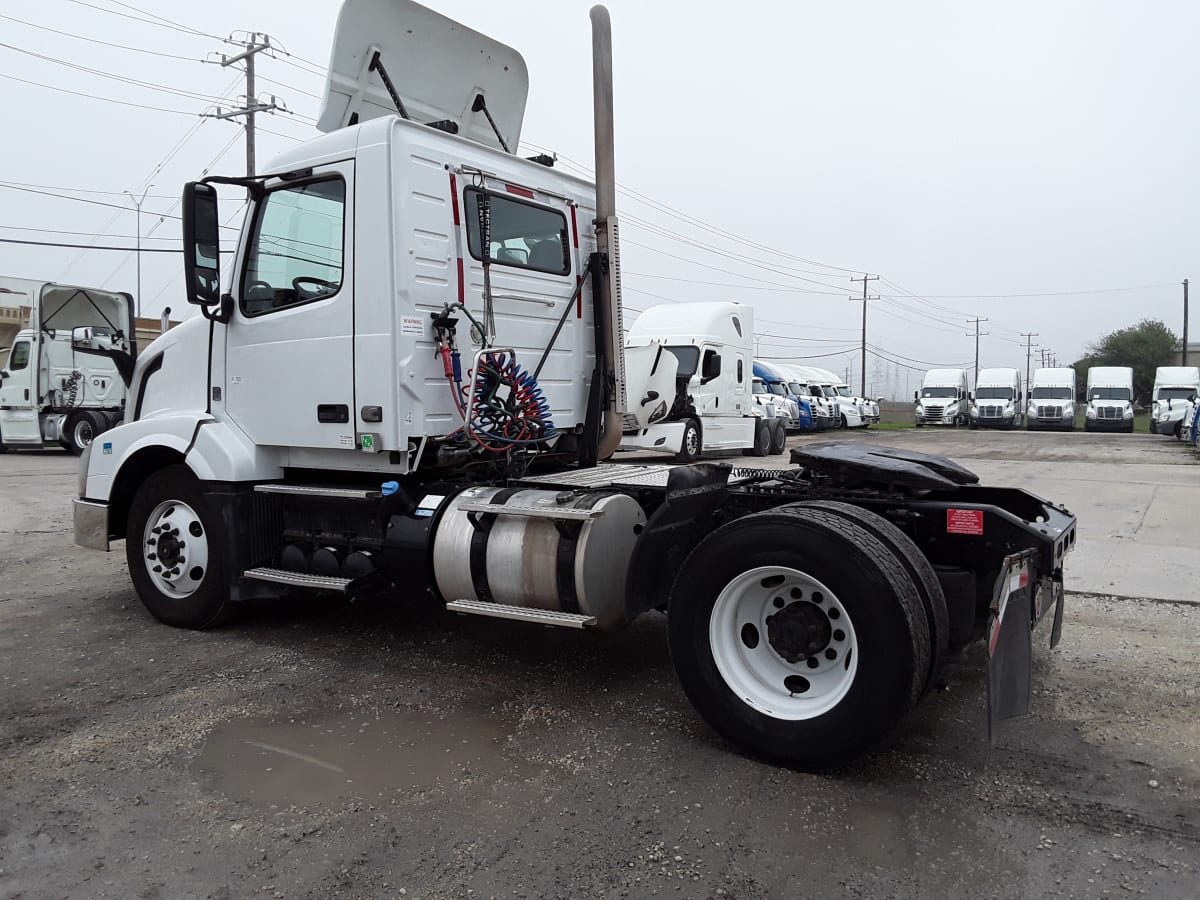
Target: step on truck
[[689, 371], [997, 401], [943, 398], [65, 379], [1052, 400], [410, 384], [1174, 388]]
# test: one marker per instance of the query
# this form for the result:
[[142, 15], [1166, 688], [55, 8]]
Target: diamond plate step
[[305, 490], [521, 613], [300, 579]]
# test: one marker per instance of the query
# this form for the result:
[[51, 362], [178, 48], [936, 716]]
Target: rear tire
[[762, 438], [756, 678], [778, 437], [171, 501], [689, 447], [82, 428]]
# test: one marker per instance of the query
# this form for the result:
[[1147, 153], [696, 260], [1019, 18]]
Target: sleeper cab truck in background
[[689, 370], [1174, 387], [1109, 399], [856, 412], [776, 384], [942, 399], [806, 383], [997, 401], [1052, 400]]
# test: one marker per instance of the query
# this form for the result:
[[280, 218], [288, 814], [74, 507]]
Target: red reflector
[[964, 521], [454, 196], [462, 285], [519, 191]]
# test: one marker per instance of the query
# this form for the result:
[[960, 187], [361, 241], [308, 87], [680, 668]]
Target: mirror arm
[[123, 360]]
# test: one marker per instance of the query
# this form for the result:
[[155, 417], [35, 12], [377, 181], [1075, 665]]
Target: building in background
[[1193, 355]]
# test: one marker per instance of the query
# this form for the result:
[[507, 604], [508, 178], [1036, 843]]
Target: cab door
[[18, 395], [289, 359]]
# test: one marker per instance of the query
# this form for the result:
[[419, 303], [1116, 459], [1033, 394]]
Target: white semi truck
[[806, 383], [997, 401], [1174, 387], [410, 382], [1109, 399], [56, 392], [943, 398], [693, 365], [855, 411], [1052, 400]]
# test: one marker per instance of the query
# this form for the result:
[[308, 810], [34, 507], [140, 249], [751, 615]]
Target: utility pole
[[1029, 336], [978, 335], [256, 42], [137, 204], [865, 278], [1183, 359]]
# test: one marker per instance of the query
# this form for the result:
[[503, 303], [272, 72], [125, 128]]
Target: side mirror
[[916, 396], [970, 396], [201, 244], [711, 366], [4, 373], [86, 338]]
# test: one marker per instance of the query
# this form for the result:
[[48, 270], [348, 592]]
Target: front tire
[[83, 427], [689, 447], [778, 437], [762, 438], [174, 558], [798, 636]]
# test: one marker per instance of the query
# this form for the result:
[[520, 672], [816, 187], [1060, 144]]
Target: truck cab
[[998, 401], [1052, 400], [855, 411], [942, 399], [64, 382], [803, 382], [776, 384], [1174, 388], [1109, 399]]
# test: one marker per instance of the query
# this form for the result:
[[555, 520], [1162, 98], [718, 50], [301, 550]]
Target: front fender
[[116, 447]]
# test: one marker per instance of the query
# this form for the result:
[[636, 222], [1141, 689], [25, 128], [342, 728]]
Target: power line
[[83, 200], [80, 37], [50, 87], [161, 24], [4, 240], [77, 190]]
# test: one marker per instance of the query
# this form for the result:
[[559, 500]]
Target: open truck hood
[[437, 67], [63, 307]]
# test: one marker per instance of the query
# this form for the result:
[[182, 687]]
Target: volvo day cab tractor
[[1051, 400], [943, 398], [411, 380], [66, 376], [1109, 399], [997, 400], [1174, 388], [688, 367]]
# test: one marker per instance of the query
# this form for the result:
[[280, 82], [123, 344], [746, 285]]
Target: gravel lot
[[390, 750]]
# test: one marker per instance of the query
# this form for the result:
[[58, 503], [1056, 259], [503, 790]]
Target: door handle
[[333, 413]]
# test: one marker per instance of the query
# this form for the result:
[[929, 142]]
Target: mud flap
[[1010, 641]]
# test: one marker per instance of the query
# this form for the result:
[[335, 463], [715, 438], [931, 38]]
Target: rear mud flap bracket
[[1010, 642]]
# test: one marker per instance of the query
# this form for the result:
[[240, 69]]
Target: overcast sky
[[957, 149]]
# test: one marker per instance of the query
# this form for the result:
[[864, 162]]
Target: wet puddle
[[357, 755]]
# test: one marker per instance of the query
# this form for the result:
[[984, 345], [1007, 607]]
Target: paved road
[[389, 750]]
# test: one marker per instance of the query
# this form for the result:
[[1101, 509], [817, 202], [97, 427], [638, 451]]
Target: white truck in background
[[855, 411], [1174, 387], [689, 370], [942, 399], [55, 391], [1052, 400], [1109, 399], [997, 400], [806, 383]]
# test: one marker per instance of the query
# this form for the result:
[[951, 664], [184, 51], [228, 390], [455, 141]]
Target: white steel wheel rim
[[755, 670], [691, 440], [175, 549], [84, 433]]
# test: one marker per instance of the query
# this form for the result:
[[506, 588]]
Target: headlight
[[1032, 411], [1091, 413], [1129, 412], [1009, 412], [660, 412], [1165, 417]]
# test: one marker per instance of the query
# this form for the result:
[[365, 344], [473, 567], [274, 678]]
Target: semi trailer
[[410, 386]]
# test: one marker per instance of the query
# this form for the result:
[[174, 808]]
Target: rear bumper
[[91, 524]]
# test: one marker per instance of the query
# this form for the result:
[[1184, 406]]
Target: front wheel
[[798, 636], [778, 437], [172, 551], [82, 428], [762, 438], [689, 447]]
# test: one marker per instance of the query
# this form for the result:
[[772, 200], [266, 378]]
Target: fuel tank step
[[565, 513], [300, 579], [521, 613]]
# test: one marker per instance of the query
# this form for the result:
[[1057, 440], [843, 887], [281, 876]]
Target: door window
[[18, 357], [296, 252], [521, 234]]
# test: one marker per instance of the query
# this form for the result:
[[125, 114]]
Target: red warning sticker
[[964, 521]]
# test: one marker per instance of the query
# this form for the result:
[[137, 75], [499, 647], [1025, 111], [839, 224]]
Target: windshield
[[828, 390], [1051, 393], [1108, 393], [689, 358], [844, 392], [759, 387], [994, 393], [797, 388], [1177, 393], [777, 388], [944, 393]]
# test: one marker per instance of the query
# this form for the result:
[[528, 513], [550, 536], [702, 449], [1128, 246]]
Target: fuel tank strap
[[479, 544]]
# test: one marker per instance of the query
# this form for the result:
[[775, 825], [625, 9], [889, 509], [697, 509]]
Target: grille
[[1109, 412], [933, 412], [990, 412], [1050, 412]]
